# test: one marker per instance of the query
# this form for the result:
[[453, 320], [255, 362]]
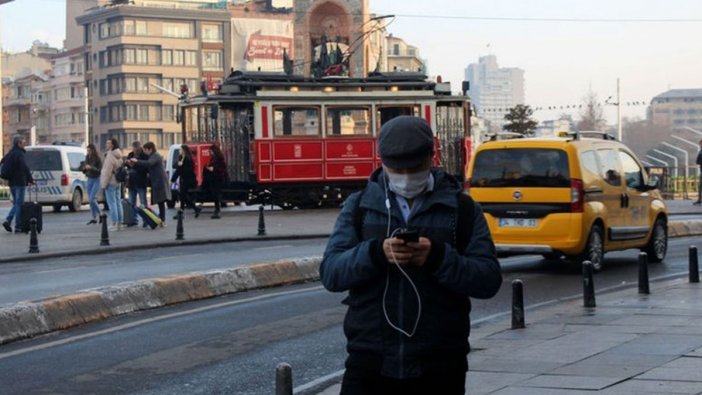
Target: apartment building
[[27, 106], [402, 56], [677, 109], [132, 49], [67, 98], [494, 90]]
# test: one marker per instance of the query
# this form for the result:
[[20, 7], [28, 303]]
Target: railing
[[675, 183]]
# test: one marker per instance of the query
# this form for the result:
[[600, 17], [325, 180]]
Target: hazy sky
[[565, 47]]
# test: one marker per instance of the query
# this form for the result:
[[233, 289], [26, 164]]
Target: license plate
[[41, 182], [518, 222]]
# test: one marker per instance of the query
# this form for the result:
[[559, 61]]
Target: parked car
[[570, 196], [56, 172]]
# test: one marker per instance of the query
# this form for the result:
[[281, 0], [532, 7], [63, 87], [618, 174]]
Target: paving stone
[[673, 374], [613, 328], [533, 332], [571, 382], [685, 363], [488, 382], [653, 387], [491, 364], [573, 347], [596, 369], [651, 320], [537, 391], [696, 353], [660, 344]]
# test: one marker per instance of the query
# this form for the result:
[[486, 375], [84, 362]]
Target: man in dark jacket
[[16, 171], [137, 180], [699, 185], [407, 323]]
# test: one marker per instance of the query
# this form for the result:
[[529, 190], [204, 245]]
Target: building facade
[[67, 98], [27, 106], [402, 56], [494, 90], [676, 109], [133, 49]]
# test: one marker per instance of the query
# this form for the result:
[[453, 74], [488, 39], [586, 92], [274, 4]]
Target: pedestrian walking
[[410, 249], [214, 177], [185, 175], [699, 181], [16, 171], [160, 188], [138, 179], [92, 167], [108, 182]]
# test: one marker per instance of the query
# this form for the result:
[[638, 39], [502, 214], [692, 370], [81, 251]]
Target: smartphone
[[408, 235]]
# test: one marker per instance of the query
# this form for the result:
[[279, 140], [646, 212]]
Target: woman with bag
[[110, 167], [160, 188], [91, 167], [215, 176], [186, 172]]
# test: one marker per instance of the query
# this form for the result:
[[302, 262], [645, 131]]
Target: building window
[[141, 28], [212, 60], [178, 58], [166, 57], [168, 112], [104, 114], [129, 55], [191, 58], [128, 28], [104, 30], [142, 56], [212, 33], [177, 30], [396, 49]]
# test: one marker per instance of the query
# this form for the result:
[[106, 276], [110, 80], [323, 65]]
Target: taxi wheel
[[594, 249], [76, 201], [658, 243]]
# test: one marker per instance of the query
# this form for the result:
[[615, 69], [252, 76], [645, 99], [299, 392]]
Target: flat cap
[[405, 142]]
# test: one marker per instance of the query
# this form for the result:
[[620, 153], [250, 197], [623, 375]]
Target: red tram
[[299, 142]]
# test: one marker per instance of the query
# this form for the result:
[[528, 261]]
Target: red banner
[[267, 47]]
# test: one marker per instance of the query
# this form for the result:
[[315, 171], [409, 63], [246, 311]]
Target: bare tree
[[519, 120], [592, 115]]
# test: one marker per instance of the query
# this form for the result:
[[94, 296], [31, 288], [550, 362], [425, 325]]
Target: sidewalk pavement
[[628, 344]]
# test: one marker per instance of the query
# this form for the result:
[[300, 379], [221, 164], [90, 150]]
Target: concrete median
[[28, 319]]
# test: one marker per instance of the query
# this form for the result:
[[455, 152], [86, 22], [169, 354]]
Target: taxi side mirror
[[652, 182]]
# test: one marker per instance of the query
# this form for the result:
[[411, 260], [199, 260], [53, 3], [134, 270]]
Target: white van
[[55, 169]]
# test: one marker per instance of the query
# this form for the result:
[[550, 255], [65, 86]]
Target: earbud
[[387, 203]]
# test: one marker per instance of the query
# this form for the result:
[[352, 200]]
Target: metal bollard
[[517, 304], [283, 379], [588, 285], [261, 222], [643, 274], [694, 266], [33, 241], [180, 235], [104, 236]]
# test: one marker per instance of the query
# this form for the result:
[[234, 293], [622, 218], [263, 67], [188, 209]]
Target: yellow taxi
[[573, 196]]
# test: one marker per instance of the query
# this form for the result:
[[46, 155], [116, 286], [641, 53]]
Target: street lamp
[[687, 165]]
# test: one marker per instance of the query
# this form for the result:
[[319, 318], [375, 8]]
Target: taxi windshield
[[521, 167]]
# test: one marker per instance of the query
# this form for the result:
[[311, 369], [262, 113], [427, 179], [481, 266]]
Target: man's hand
[[403, 253]]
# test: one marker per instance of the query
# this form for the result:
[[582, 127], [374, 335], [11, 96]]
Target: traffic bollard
[[588, 285], [694, 266], [104, 236], [33, 241], [517, 304], [643, 274], [261, 222], [283, 379], [180, 235]]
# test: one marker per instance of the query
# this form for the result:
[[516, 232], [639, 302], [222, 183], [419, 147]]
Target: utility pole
[[619, 113], [86, 116]]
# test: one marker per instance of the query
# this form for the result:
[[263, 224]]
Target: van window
[[174, 158], [521, 167], [632, 170], [40, 160], [74, 160], [589, 162], [609, 167]]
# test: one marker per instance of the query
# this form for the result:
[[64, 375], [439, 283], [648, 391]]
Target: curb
[[29, 319], [684, 228], [142, 246]]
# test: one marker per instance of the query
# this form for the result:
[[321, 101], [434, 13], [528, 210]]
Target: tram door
[[236, 134], [451, 131]]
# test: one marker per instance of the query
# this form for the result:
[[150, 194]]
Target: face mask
[[409, 185]]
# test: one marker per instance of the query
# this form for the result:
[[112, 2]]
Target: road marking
[[151, 320], [65, 269], [274, 247], [319, 381]]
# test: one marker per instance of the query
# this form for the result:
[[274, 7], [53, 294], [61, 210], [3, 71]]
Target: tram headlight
[[328, 89], [294, 89]]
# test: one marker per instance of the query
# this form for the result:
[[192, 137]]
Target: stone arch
[[332, 19]]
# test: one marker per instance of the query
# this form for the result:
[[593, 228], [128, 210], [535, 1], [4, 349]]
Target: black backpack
[[463, 224], [122, 175]]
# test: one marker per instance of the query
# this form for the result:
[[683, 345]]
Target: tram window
[[346, 121], [296, 121], [387, 113]]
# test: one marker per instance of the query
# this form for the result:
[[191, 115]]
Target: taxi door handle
[[625, 200]]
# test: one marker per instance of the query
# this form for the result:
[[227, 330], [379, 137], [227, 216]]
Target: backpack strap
[[464, 220]]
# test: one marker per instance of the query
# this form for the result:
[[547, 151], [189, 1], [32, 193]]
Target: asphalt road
[[47, 277], [232, 344]]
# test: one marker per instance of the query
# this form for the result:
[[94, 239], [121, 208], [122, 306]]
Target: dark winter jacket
[[699, 158], [445, 283], [214, 180], [15, 167], [95, 166], [160, 187], [138, 175], [186, 173]]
